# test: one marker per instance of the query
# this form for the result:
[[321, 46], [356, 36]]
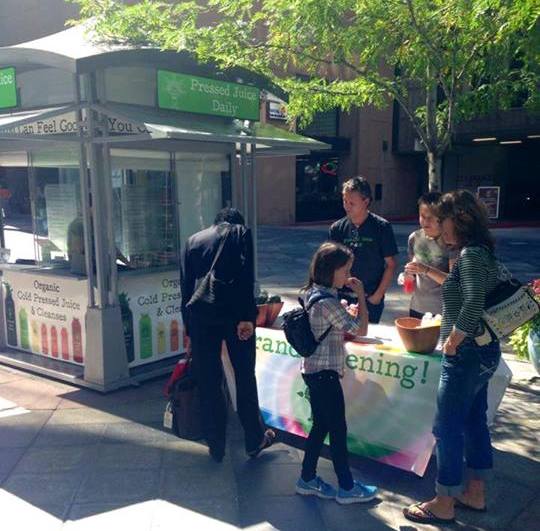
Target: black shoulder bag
[[212, 295]]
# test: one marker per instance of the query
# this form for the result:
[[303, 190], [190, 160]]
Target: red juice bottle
[[54, 342], [76, 336], [44, 339], [65, 343], [175, 339]]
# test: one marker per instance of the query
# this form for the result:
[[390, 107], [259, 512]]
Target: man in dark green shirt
[[371, 239]]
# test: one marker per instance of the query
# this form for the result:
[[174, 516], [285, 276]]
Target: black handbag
[[186, 407], [212, 295]]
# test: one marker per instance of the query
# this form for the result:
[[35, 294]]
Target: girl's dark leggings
[[328, 412]]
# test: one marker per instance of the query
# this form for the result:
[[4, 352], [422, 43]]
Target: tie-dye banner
[[390, 396]]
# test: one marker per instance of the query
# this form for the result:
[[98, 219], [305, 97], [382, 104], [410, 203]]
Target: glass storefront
[[318, 194]]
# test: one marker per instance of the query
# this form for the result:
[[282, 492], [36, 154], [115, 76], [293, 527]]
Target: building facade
[[496, 154]]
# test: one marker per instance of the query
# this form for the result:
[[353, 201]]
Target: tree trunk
[[434, 172]]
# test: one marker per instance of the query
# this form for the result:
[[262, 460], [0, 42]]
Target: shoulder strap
[[312, 301], [220, 248], [317, 298]]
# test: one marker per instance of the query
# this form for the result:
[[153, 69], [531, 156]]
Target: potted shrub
[[262, 308], [274, 307], [526, 339]]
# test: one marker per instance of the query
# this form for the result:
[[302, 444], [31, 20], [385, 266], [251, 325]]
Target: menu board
[[142, 216], [61, 207], [490, 196]]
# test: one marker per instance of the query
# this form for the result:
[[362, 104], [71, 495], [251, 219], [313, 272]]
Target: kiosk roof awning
[[168, 125], [128, 123]]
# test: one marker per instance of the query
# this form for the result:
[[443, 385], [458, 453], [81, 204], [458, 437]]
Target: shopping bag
[[178, 372], [186, 407]]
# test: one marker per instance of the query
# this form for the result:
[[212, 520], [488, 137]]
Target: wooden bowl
[[421, 340]]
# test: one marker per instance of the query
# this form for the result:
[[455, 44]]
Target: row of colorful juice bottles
[[39, 338], [145, 336]]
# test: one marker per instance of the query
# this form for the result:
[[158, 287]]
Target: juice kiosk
[[110, 158]]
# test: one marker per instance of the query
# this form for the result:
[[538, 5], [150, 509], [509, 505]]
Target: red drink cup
[[409, 283]]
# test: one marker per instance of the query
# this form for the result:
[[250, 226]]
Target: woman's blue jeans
[[460, 427]]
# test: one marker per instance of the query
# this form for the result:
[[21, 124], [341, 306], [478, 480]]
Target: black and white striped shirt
[[464, 291]]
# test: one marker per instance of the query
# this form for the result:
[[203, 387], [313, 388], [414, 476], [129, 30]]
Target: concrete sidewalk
[[75, 459]]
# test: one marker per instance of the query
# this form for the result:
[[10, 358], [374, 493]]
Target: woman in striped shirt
[[460, 426]]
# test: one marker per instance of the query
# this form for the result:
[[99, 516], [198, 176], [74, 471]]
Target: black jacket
[[235, 263]]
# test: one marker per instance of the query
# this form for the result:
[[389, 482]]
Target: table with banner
[[390, 395]]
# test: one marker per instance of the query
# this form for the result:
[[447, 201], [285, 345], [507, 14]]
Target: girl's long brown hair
[[327, 258]]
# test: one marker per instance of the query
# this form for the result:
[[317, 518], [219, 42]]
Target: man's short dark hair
[[431, 199], [358, 184], [229, 215]]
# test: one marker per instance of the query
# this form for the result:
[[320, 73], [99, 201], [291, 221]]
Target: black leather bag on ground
[[212, 295], [186, 407]]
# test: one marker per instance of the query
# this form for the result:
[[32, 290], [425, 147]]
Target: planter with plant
[[274, 307], [526, 339], [261, 301]]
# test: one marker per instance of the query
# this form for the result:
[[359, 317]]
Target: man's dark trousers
[[206, 339]]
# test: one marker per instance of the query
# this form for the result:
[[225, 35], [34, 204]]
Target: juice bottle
[[161, 338], [65, 343], [23, 323], [145, 336], [184, 339], [76, 336], [11, 317], [175, 336], [54, 342], [127, 324], [34, 336], [44, 339]]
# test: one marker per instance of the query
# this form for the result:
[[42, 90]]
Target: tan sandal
[[269, 438]]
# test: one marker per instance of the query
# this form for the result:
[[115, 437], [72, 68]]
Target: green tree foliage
[[463, 57]]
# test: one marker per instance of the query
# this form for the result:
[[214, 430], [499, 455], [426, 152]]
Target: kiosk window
[[144, 210], [204, 188], [56, 212]]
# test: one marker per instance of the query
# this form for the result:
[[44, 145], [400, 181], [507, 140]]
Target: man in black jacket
[[229, 317]]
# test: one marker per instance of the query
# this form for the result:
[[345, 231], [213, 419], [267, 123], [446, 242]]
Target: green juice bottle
[[23, 325], [145, 336], [11, 317], [127, 325], [161, 340]]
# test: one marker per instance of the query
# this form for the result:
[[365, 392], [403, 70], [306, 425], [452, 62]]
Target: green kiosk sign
[[181, 92], [8, 88]]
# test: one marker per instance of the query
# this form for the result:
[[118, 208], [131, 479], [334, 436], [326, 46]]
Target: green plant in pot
[[261, 301], [526, 339]]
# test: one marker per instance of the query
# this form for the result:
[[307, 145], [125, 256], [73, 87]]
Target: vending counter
[[390, 396]]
